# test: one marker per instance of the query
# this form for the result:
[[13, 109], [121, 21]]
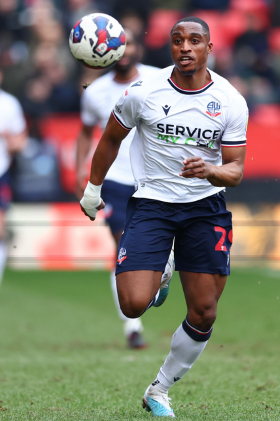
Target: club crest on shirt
[[122, 255], [213, 109]]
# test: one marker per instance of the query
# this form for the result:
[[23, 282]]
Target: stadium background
[[48, 232]]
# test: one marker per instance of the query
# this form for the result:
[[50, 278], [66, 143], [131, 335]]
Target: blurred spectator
[[124, 8], [49, 89], [133, 21], [275, 12], [35, 99], [13, 37], [209, 4], [75, 10], [157, 38], [36, 171]]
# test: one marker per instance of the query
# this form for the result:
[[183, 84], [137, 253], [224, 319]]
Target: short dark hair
[[196, 20]]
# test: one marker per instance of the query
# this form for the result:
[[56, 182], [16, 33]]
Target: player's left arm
[[227, 175]]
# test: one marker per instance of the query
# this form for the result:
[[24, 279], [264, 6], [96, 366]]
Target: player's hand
[[91, 202], [93, 212], [196, 167]]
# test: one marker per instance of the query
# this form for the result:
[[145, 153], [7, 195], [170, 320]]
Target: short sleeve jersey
[[97, 103], [173, 124], [12, 121]]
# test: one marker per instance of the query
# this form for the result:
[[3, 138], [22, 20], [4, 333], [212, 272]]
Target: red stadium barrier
[[62, 131]]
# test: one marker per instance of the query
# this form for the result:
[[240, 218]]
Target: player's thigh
[[116, 196], [202, 290], [137, 288], [148, 237], [204, 241]]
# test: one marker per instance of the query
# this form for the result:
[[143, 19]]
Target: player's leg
[[137, 290], [195, 248], [202, 292], [133, 328], [143, 255], [116, 196]]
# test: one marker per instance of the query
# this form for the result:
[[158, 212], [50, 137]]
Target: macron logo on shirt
[[166, 109], [139, 83]]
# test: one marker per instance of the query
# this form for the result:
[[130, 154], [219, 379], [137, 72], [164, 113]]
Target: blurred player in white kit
[[97, 103], [13, 137]]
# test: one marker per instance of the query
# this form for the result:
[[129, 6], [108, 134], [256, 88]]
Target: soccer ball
[[97, 41]]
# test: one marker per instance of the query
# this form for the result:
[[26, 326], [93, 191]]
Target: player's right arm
[[124, 117], [83, 149], [104, 156]]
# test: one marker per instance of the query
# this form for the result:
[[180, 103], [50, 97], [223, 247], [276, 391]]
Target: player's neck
[[191, 82], [126, 77]]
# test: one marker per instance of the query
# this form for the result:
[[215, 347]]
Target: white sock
[[184, 352], [3, 256], [130, 325]]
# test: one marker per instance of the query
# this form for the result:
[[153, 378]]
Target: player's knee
[[132, 308], [203, 318], [209, 318]]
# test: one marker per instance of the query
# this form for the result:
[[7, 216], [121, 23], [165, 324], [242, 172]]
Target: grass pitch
[[63, 355]]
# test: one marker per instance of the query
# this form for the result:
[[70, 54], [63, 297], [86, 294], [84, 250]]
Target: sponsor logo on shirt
[[118, 109], [187, 135], [213, 109], [122, 255]]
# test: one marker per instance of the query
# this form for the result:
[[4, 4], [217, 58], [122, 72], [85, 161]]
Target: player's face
[[130, 57], [190, 47]]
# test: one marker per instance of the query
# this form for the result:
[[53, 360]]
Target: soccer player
[[13, 138], [97, 103], [189, 145]]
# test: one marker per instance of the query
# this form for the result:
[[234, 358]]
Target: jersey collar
[[190, 91]]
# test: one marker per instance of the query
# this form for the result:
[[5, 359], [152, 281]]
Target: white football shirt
[[11, 121], [174, 124], [97, 103]]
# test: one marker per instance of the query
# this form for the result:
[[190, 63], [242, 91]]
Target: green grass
[[63, 354]]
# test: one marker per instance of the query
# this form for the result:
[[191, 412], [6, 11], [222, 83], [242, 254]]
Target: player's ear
[[209, 47]]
